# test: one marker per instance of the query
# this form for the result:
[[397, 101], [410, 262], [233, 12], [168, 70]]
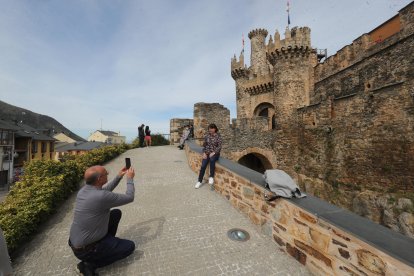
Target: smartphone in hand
[[127, 163]]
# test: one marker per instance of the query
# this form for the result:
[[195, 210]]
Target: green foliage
[[135, 143], [43, 187], [159, 140]]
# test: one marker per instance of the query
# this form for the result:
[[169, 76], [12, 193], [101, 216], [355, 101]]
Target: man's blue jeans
[[204, 164], [110, 248]]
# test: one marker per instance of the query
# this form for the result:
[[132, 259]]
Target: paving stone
[[178, 230]]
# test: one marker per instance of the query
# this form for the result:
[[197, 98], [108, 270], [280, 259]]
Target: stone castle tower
[[280, 77]]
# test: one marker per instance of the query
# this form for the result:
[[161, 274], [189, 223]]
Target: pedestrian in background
[[184, 137], [147, 136], [141, 135]]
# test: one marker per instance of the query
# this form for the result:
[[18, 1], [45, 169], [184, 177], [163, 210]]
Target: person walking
[[141, 135], [92, 234], [211, 153], [147, 136]]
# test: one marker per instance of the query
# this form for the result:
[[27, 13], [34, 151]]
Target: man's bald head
[[92, 174]]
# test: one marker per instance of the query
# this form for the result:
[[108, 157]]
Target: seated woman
[[184, 137], [211, 153]]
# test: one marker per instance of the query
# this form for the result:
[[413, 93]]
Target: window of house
[[44, 147], [6, 137], [34, 146]]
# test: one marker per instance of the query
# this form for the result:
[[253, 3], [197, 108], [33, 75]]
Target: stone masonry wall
[[322, 247], [208, 113]]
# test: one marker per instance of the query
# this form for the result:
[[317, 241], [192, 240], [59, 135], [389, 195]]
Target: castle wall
[[344, 127]]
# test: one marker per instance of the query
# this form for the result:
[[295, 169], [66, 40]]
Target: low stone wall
[[317, 243]]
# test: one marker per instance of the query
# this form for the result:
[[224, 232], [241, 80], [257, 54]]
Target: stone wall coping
[[393, 243]]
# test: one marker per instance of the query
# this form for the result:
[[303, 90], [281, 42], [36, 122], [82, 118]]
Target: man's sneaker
[[198, 185], [210, 180], [85, 269]]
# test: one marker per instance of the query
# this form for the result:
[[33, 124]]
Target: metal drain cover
[[237, 234]]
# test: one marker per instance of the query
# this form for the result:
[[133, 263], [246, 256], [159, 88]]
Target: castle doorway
[[256, 162]]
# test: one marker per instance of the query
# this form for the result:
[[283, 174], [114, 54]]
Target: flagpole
[[288, 12]]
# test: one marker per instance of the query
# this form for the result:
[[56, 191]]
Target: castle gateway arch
[[255, 161]]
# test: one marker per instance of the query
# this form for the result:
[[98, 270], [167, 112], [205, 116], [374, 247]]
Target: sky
[[117, 64]]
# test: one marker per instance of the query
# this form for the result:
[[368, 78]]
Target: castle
[[343, 128]]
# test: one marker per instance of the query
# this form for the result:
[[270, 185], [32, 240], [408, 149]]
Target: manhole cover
[[178, 161], [237, 234]]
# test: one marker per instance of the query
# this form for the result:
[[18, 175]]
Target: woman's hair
[[147, 127], [213, 126]]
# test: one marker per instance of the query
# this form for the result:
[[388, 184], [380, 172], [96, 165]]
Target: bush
[[43, 187], [135, 143], [159, 140], [156, 140]]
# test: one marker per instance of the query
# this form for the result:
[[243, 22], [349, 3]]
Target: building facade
[[107, 136], [62, 137]]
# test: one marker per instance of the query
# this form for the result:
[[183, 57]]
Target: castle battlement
[[388, 33], [258, 32], [297, 37], [260, 85], [345, 57], [289, 52], [238, 68]]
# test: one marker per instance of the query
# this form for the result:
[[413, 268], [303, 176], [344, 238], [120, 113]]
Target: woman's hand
[[212, 154], [204, 155]]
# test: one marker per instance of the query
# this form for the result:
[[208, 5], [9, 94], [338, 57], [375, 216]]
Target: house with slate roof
[[76, 148], [107, 136]]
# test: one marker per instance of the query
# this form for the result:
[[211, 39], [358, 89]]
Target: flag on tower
[[288, 9]]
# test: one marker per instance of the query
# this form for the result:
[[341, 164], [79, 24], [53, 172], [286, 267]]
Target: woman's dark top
[[148, 132]]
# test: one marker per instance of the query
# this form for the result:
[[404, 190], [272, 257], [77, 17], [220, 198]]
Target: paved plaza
[[177, 229]]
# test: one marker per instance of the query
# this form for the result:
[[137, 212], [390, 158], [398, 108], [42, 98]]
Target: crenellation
[[294, 38]]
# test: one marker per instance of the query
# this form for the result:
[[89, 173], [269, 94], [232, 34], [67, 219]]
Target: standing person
[[147, 136], [5, 264], [141, 135], [92, 234], [211, 153]]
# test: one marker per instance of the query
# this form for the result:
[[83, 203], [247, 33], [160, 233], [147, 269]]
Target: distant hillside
[[35, 120]]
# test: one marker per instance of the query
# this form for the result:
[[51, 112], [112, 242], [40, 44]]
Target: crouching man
[[92, 234]]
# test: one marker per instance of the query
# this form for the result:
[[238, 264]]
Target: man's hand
[[204, 155], [130, 173], [122, 172]]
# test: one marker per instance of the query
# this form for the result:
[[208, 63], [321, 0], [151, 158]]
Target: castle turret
[[258, 60], [292, 60]]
